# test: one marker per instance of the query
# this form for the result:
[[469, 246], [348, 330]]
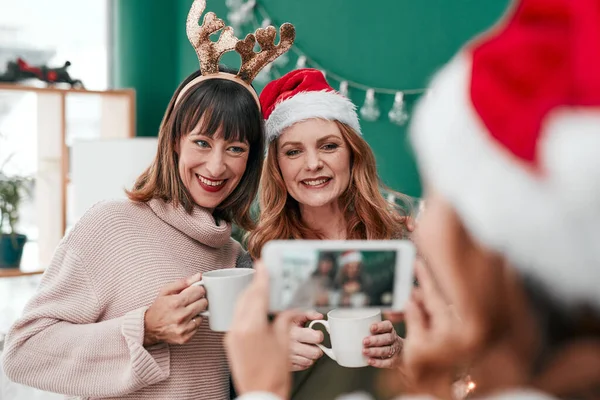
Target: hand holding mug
[[173, 316], [347, 329], [384, 346], [223, 288], [303, 352]]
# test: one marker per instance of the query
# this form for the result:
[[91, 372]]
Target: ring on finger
[[195, 321]]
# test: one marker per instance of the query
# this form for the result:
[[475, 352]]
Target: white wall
[[103, 168]]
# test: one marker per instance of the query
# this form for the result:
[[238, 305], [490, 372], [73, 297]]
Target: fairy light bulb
[[282, 60], [246, 10], [234, 4], [370, 111], [264, 76], [344, 88], [463, 388], [398, 114], [266, 22], [240, 14], [301, 63], [235, 20], [471, 387], [391, 198]]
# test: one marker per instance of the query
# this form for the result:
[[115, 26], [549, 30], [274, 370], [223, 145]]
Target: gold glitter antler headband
[[209, 53], [253, 62]]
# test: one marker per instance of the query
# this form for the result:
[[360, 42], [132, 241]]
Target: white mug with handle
[[223, 287], [347, 328]]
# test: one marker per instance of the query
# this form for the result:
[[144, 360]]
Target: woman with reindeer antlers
[[115, 315]]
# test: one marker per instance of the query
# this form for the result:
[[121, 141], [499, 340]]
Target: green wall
[[389, 43], [145, 56]]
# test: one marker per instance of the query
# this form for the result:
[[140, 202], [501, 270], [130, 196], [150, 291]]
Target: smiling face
[[210, 166], [352, 270], [325, 267], [314, 160]]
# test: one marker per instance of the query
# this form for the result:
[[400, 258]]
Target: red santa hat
[[300, 95], [510, 135], [351, 256]]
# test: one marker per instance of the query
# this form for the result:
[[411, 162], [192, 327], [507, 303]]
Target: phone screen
[[326, 278]]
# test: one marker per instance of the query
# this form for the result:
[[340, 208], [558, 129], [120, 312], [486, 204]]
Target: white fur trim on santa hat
[[347, 258], [307, 105], [547, 225]]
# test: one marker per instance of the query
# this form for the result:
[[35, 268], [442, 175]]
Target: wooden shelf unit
[[16, 272], [117, 120]]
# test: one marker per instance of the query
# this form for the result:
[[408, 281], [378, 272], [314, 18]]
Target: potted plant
[[12, 191]]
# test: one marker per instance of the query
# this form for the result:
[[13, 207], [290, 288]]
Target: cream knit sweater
[[82, 333]]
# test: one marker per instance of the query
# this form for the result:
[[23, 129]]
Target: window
[[49, 33]]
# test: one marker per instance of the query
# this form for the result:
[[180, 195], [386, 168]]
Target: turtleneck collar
[[199, 225]]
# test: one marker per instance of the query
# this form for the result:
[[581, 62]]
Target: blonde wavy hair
[[368, 214]]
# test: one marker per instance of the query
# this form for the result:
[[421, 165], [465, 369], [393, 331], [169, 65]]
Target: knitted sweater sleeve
[[59, 345]]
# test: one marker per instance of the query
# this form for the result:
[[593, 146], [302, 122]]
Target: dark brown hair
[[221, 105]]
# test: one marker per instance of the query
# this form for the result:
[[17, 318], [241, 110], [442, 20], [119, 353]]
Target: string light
[[471, 387], [282, 60], [266, 22], [264, 76], [234, 4], [301, 62], [344, 88], [463, 388], [370, 111], [242, 13], [357, 85], [398, 114]]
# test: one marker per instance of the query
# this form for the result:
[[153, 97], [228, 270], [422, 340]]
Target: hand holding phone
[[324, 274]]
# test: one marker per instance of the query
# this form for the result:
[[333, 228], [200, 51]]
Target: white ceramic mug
[[223, 286], [347, 328]]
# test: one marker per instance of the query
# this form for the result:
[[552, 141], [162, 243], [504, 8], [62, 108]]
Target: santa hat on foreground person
[[300, 95], [510, 135]]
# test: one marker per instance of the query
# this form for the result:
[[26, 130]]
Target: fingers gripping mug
[[347, 329], [223, 288]]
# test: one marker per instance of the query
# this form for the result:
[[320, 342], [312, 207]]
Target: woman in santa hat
[[508, 146], [353, 283], [320, 182]]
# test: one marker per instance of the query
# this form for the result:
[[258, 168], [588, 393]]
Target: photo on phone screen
[[326, 275]]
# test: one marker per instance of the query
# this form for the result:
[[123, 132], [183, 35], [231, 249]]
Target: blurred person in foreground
[[508, 144]]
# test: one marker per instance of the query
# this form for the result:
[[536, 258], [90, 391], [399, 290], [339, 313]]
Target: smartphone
[[326, 274]]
